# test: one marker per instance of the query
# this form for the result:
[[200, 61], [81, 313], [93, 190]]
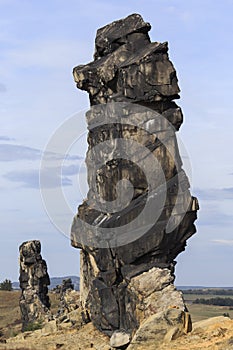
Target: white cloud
[[215, 194], [5, 138], [228, 242], [12, 153], [30, 178]]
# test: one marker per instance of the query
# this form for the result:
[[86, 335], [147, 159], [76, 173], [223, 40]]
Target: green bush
[[33, 326], [6, 285]]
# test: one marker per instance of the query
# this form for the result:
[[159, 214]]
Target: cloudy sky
[[40, 43]]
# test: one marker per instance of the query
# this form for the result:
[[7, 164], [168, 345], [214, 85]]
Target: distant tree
[[6, 285]]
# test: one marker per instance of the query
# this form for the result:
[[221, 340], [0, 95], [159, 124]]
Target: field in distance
[[201, 311]]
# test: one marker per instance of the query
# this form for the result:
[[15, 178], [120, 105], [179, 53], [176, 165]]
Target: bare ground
[[216, 334]]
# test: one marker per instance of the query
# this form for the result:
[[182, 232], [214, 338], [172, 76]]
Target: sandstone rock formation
[[34, 281], [64, 286], [130, 234], [69, 299]]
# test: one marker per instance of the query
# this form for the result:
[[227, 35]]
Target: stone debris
[[214, 334], [127, 269], [119, 339]]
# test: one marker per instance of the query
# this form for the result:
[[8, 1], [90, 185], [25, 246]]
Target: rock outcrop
[[216, 334], [69, 299], [34, 281], [139, 212], [64, 286]]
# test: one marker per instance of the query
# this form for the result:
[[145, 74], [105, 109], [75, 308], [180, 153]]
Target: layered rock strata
[[34, 281], [139, 212]]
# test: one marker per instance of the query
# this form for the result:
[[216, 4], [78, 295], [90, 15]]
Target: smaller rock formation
[[34, 281], [69, 299], [62, 288], [69, 313]]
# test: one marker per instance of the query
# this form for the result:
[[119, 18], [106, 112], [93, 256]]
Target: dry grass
[[55, 301], [10, 318], [201, 312]]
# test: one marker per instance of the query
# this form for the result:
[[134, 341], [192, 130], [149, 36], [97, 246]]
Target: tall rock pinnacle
[[34, 281], [139, 212]]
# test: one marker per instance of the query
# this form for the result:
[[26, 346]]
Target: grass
[[10, 318], [200, 311], [33, 326], [55, 302]]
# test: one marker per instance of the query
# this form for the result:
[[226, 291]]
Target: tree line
[[215, 301], [208, 291], [6, 285]]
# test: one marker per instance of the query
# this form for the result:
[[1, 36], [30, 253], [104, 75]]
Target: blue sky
[[40, 43]]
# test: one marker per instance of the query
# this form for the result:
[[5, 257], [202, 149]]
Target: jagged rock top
[[30, 252], [113, 35], [127, 66]]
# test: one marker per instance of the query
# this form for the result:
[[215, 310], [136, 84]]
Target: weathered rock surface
[[130, 234], [34, 281], [159, 327], [69, 301], [64, 286]]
